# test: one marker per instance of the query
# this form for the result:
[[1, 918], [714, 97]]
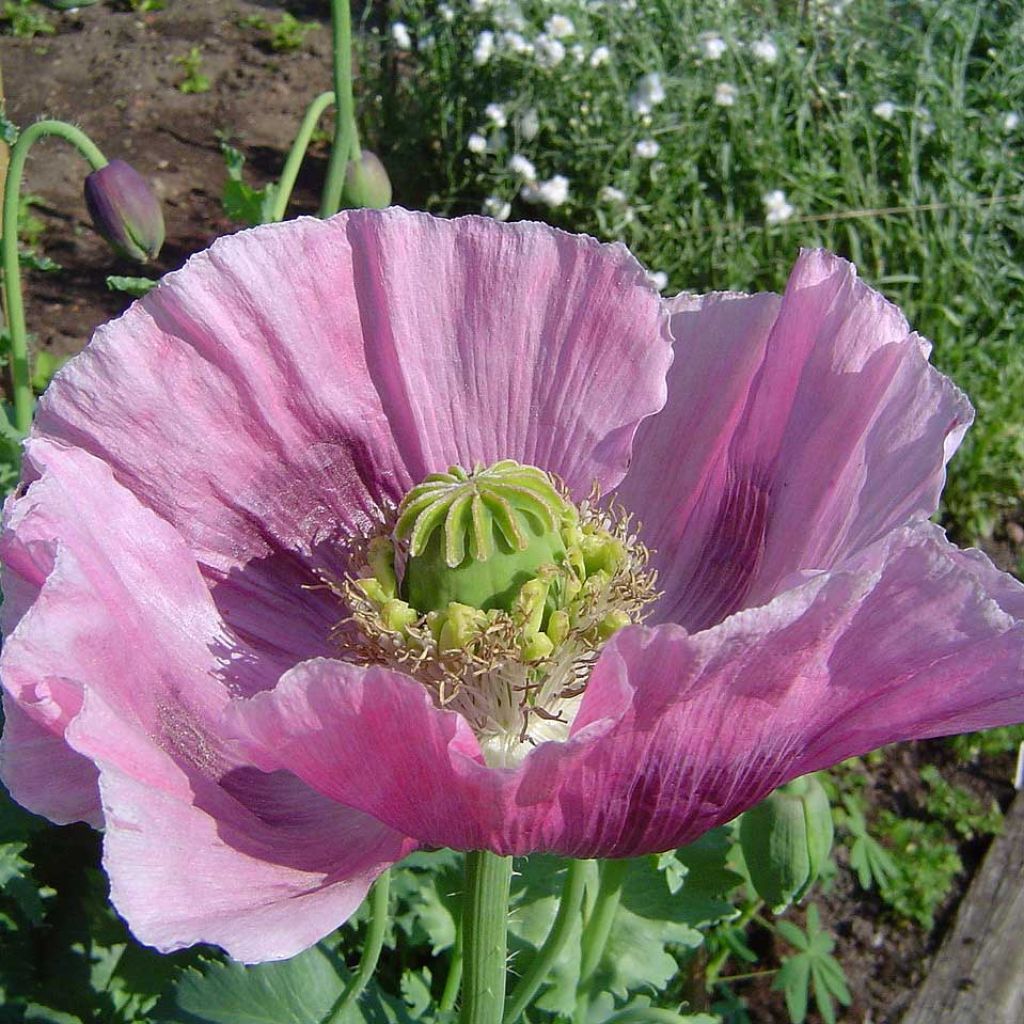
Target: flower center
[[497, 592]]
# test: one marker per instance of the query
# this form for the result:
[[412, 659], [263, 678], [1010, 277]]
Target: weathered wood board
[[978, 974]]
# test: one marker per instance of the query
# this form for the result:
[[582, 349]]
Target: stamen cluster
[[514, 654]]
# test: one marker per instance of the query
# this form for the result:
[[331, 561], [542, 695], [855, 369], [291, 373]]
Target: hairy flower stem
[[484, 937], [597, 930], [21, 386], [371, 949], [298, 151], [346, 138], [568, 912]]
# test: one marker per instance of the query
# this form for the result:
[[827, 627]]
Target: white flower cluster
[[647, 94], [726, 94], [777, 209]]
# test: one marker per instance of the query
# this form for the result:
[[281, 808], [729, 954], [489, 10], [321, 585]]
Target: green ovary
[[475, 538]]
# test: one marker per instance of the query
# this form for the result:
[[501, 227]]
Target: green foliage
[[136, 286], [873, 864], [285, 35], [242, 202], [295, 991], [812, 969], [925, 861], [959, 808], [974, 746], [23, 19], [44, 365], [191, 63]]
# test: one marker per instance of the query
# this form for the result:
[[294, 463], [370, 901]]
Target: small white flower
[[726, 94], [649, 92], [647, 149], [1011, 122], [776, 208], [611, 194], [559, 26], [496, 114], [479, 6], [528, 124], [658, 278], [519, 164], [446, 12], [426, 44], [496, 207], [509, 16], [516, 43], [712, 46], [549, 53], [577, 53], [476, 143], [765, 50], [886, 110], [601, 55], [400, 36], [553, 192], [484, 47]]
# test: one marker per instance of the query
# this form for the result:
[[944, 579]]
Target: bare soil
[[115, 73]]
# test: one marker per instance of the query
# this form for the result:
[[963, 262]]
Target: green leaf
[[137, 286], [45, 365], [242, 202], [813, 967], [17, 883], [301, 990]]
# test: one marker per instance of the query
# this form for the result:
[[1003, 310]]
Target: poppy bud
[[786, 839], [367, 182], [125, 211]]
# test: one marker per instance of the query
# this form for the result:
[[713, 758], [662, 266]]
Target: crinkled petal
[[678, 732], [121, 663], [795, 434], [270, 397]]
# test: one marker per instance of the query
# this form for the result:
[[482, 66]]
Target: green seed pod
[[476, 538], [786, 840]]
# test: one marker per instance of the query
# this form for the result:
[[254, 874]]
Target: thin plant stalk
[[346, 138], [540, 966], [21, 386], [484, 937], [371, 949], [290, 172], [597, 930], [454, 980]]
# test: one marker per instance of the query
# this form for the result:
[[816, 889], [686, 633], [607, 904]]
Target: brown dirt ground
[[114, 73]]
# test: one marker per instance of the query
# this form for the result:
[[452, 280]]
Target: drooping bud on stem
[[786, 840], [367, 182], [125, 211]]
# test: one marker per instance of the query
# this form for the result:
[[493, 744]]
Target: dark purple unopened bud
[[125, 211], [367, 183]]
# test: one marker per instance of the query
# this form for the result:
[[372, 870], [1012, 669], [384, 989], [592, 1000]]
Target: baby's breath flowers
[[726, 94], [776, 208], [765, 50], [647, 149], [885, 110], [648, 93]]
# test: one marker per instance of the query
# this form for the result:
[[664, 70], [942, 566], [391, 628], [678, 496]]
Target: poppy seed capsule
[[367, 182], [125, 211], [786, 839]]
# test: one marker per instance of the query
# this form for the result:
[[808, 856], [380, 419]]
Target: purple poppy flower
[[204, 481]]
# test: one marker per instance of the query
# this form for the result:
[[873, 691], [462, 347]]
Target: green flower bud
[[476, 538], [125, 211], [786, 840], [367, 182]]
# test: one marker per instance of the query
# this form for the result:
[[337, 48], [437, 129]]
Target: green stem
[[568, 913], [20, 381], [295, 155], [484, 937], [454, 979], [346, 139], [716, 965], [371, 949], [597, 930]]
